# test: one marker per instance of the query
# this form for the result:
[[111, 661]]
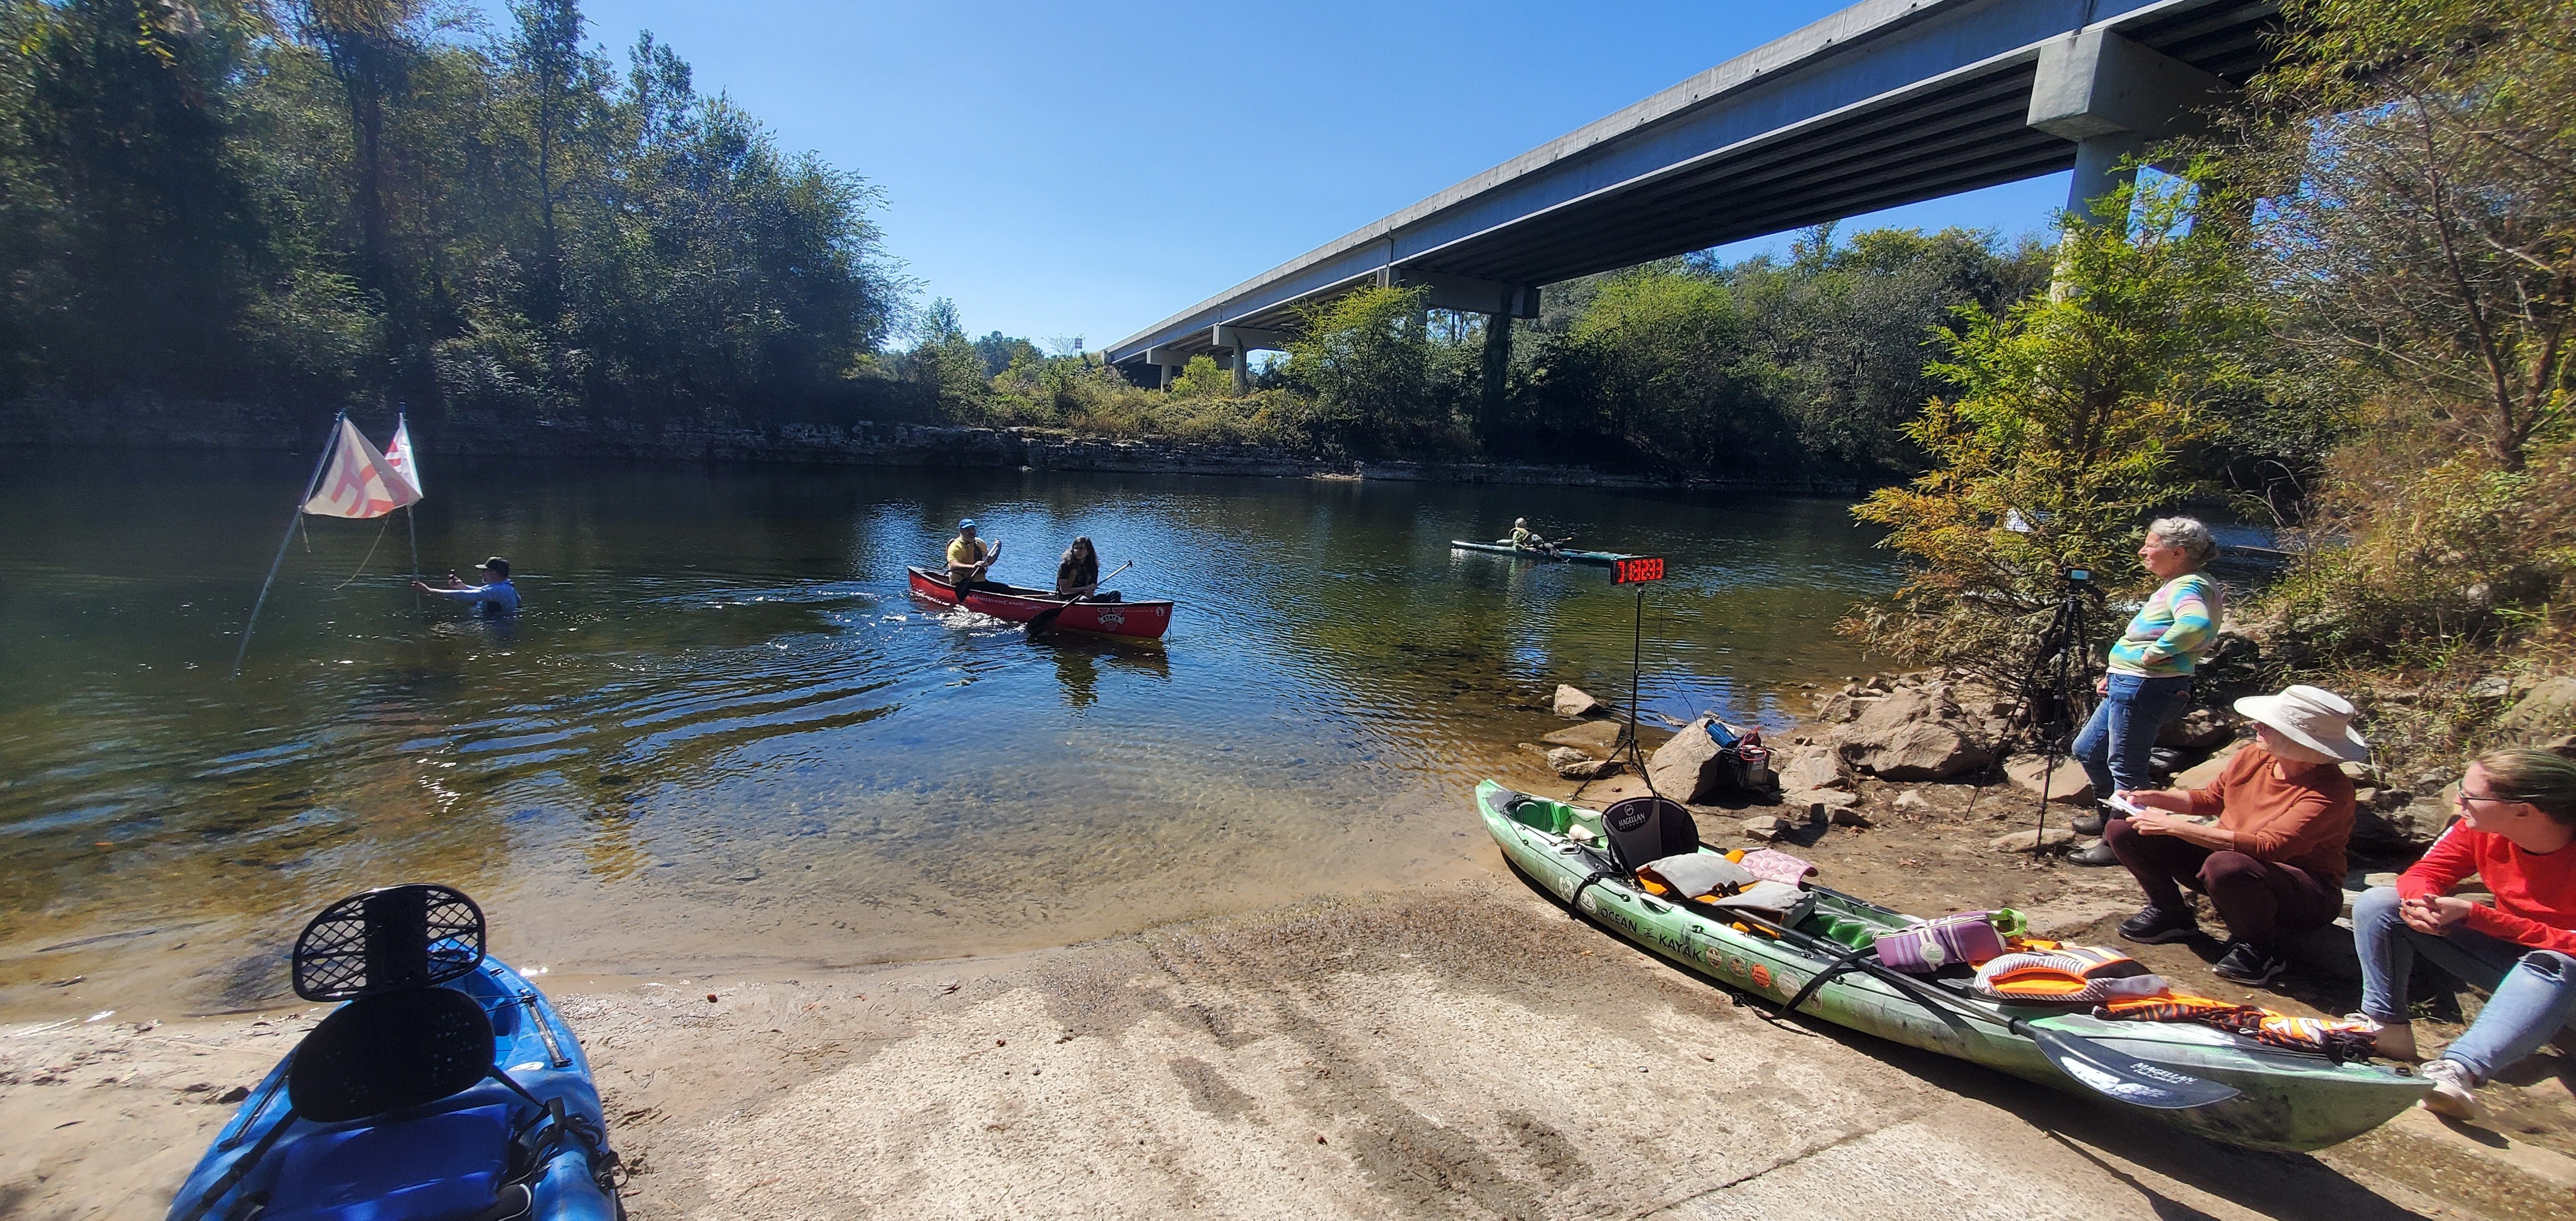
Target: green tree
[[129, 239], [1662, 363], [2417, 160], [1201, 378], [1376, 378], [2069, 411], [344, 199]]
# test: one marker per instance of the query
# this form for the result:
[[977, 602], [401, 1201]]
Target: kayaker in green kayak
[[1525, 539]]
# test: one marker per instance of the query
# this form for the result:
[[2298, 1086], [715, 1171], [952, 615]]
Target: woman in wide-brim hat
[[2273, 864]]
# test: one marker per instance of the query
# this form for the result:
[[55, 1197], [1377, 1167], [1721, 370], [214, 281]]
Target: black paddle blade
[[2126, 1078]]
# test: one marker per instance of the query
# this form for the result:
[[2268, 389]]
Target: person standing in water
[[495, 598], [969, 556]]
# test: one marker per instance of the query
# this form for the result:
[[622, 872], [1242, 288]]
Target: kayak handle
[[554, 1050]]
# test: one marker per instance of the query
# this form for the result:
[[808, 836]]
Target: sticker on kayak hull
[[1761, 975]]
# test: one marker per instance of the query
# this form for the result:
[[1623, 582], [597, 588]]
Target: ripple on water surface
[[724, 732]]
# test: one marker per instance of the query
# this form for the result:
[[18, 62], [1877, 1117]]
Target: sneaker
[[2250, 964], [2455, 1090], [2099, 853], [2395, 1040], [2154, 925]]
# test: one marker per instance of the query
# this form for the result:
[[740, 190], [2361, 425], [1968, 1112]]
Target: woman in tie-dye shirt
[[2151, 664]]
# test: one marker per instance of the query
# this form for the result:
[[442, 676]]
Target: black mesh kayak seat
[[1643, 830], [390, 1052]]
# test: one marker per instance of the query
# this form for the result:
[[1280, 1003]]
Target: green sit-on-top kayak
[[2283, 1099], [1505, 547]]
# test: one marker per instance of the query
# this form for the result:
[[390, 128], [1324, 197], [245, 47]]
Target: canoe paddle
[[2092, 1065], [1045, 619]]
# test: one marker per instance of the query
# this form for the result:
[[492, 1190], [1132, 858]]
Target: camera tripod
[[2057, 686]]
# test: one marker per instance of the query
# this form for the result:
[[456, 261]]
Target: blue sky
[[1065, 169]]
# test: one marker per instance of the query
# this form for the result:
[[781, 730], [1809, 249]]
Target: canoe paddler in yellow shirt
[[969, 556]]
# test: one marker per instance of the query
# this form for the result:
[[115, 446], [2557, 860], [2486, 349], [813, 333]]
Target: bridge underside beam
[[1887, 103]]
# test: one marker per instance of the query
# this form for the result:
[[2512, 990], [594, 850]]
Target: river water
[[722, 736]]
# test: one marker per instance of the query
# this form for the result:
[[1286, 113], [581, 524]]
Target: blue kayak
[[368, 1128]]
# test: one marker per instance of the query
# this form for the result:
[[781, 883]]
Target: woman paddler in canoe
[[1077, 574], [969, 556], [2517, 832], [1525, 539]]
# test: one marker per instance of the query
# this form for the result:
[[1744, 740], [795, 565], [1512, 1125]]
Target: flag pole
[[309, 485], [411, 525]]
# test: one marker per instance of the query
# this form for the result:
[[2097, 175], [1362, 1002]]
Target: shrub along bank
[[1683, 367], [2363, 295]]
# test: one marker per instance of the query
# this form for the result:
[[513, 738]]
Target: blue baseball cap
[[965, 523]]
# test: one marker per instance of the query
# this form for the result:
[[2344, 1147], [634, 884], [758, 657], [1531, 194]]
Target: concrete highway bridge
[[1887, 102]]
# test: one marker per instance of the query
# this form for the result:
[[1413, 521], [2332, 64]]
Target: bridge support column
[[1243, 341], [2113, 98], [1498, 362], [1499, 302], [1170, 360]]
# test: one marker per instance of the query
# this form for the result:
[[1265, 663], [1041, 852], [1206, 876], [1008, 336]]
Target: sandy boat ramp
[[1463, 1051]]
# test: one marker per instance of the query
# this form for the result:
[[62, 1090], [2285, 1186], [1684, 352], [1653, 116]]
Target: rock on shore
[[1912, 732]]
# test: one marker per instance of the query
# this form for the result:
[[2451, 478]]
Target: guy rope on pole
[[291, 522]]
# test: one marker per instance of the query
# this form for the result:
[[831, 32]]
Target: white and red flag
[[398, 455], [358, 482]]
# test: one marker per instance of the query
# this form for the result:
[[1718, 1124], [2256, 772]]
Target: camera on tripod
[[2076, 576]]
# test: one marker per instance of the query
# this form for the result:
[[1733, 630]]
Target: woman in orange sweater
[[2274, 861], [2515, 830]]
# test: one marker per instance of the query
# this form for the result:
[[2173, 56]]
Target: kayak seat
[[442, 1167], [1643, 830], [390, 1052]]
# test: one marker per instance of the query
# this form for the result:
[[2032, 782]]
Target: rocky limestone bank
[[148, 423], [1935, 727]]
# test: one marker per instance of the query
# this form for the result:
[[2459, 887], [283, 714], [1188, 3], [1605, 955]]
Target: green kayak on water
[[2265, 1097], [1505, 547]]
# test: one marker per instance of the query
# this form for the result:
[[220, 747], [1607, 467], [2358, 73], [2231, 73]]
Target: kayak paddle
[[2092, 1065], [1046, 618]]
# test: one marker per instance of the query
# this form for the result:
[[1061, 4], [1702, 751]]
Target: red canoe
[[1015, 604]]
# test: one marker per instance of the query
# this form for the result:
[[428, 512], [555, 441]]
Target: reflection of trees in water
[[649, 663]]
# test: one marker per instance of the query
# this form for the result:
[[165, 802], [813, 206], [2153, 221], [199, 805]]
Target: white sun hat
[[2313, 717]]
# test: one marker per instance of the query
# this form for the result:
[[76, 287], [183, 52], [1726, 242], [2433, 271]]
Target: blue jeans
[[2532, 993], [2113, 747]]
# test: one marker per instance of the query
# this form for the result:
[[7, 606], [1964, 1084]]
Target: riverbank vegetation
[[349, 201], [1683, 367], [2376, 310]]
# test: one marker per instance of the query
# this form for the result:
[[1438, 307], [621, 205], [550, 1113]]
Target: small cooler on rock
[[1747, 761]]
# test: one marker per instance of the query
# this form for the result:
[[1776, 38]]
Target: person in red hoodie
[[2273, 863], [2516, 825]]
